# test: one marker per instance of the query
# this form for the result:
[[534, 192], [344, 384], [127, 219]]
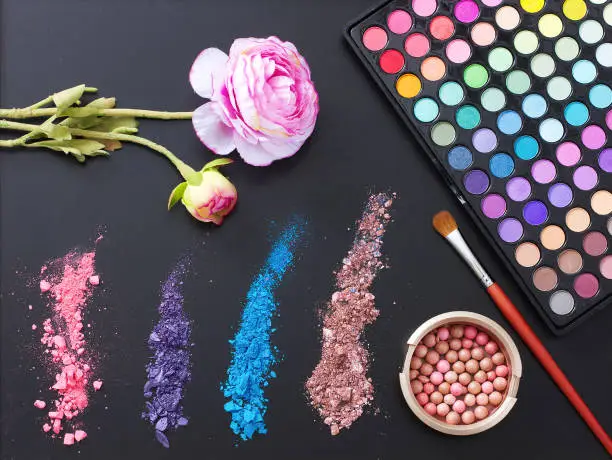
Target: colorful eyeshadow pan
[[512, 100]]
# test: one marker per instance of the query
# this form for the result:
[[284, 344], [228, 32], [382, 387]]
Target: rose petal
[[282, 148], [212, 131], [253, 154], [208, 72]]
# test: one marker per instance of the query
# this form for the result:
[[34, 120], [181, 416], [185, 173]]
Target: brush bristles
[[444, 223]]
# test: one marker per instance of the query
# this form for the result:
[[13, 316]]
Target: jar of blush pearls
[[461, 373]]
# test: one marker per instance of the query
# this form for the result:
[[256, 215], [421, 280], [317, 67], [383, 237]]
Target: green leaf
[[80, 112], [176, 194], [123, 125], [103, 103], [68, 97], [79, 148], [217, 163], [60, 133]]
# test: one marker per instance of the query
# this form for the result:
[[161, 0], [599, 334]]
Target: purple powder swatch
[[605, 160], [493, 206], [585, 178], [518, 189], [484, 140], [510, 230], [169, 370], [560, 195], [476, 182]]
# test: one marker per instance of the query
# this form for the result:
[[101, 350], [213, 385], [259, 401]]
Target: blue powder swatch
[[253, 354], [169, 370]]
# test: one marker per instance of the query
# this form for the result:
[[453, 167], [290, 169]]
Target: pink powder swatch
[[339, 387], [67, 283]]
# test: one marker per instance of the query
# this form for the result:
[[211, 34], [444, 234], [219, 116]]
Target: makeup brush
[[445, 225]]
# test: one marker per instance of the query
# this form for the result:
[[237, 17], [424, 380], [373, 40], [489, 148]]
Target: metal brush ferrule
[[456, 239]]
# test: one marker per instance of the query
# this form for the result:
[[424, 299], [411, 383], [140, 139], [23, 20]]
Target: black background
[[141, 51]]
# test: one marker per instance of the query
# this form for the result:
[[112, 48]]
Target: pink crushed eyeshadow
[[339, 387], [68, 291]]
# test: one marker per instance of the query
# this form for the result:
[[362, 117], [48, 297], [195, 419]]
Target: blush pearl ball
[[442, 409], [498, 358], [480, 377], [470, 332], [417, 387], [459, 407], [432, 357], [450, 399], [491, 348], [482, 339], [486, 364], [481, 412], [420, 351], [464, 378], [467, 343], [455, 344], [459, 367], [423, 378], [428, 388], [456, 389], [472, 366], [436, 378], [469, 400], [436, 397], [500, 384], [453, 418], [464, 355], [482, 399], [426, 369], [474, 387], [478, 353], [444, 366], [442, 347], [491, 376], [413, 374], [444, 388], [416, 363], [487, 388], [450, 377], [456, 331], [443, 333], [422, 399], [430, 408], [429, 340], [451, 356], [495, 398], [468, 417], [502, 370]]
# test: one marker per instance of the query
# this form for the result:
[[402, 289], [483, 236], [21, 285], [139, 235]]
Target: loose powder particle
[[66, 283], [339, 387], [170, 369], [253, 354]]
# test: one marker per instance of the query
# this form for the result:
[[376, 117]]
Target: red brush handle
[[541, 353]]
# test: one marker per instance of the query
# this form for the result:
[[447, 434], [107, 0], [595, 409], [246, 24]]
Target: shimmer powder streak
[[253, 354], [169, 370], [339, 387], [68, 282]]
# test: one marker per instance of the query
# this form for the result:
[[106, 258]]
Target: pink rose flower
[[262, 100]]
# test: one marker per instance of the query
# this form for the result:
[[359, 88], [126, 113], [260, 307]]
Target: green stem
[[184, 169], [35, 112], [49, 99]]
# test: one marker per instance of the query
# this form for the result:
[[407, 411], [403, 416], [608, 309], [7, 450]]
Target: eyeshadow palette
[[512, 100]]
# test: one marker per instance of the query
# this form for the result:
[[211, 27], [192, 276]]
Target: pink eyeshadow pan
[[375, 39], [586, 285], [417, 45], [466, 11], [483, 34], [458, 51], [595, 244], [399, 22], [568, 154]]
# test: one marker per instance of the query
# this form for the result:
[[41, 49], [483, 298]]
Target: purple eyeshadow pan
[[535, 213], [493, 206], [585, 178], [560, 195], [510, 230], [476, 182], [484, 140], [518, 189], [605, 160]]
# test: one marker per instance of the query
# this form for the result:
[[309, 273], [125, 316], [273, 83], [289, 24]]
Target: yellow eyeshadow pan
[[512, 101]]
